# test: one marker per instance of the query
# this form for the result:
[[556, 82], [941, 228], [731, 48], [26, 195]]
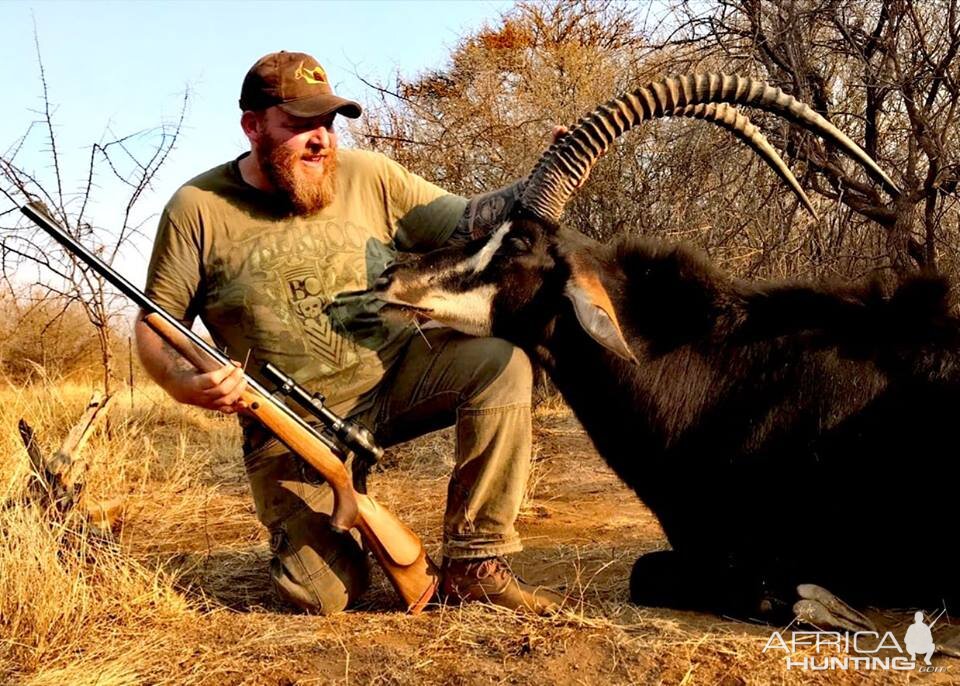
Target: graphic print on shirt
[[284, 281], [309, 289]]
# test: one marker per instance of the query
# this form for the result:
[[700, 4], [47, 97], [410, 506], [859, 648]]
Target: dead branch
[[57, 483]]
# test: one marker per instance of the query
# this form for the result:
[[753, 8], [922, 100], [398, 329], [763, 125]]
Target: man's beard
[[306, 190]]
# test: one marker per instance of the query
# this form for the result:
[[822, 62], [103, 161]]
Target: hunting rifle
[[397, 549]]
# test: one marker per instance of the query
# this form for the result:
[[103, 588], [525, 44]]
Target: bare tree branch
[[63, 278]]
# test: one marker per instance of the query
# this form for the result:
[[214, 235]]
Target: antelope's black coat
[[782, 432]]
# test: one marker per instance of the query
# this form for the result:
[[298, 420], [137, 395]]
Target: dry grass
[[182, 597]]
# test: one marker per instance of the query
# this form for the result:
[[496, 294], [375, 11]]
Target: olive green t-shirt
[[294, 290]]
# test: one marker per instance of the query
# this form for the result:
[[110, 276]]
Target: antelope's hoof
[[819, 607]]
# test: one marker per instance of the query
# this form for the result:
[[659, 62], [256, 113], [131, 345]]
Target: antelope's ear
[[595, 312]]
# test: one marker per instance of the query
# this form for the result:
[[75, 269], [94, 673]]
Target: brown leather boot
[[490, 580]]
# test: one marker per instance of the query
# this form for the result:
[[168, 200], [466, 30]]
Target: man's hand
[[487, 211], [219, 390]]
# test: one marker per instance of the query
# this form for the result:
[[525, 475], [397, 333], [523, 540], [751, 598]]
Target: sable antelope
[[788, 436]]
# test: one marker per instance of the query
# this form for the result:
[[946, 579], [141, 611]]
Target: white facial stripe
[[477, 263], [468, 311]]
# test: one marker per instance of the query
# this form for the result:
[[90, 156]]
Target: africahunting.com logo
[[861, 650]]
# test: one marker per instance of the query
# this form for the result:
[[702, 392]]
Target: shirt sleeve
[[423, 214], [174, 276]]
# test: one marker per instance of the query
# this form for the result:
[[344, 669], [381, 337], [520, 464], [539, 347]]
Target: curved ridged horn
[[568, 161], [740, 126]]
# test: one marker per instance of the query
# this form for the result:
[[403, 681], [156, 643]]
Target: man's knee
[[315, 568], [505, 374]]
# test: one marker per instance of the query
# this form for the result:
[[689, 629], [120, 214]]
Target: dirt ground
[[215, 620], [582, 530]]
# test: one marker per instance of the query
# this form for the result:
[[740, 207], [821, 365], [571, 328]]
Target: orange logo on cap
[[313, 76]]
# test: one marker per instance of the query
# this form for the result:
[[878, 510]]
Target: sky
[[115, 68]]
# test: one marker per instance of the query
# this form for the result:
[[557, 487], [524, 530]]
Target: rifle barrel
[[37, 213], [399, 551]]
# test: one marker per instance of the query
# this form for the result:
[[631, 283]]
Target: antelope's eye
[[518, 244]]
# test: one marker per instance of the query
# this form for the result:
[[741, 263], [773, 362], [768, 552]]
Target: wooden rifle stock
[[396, 548]]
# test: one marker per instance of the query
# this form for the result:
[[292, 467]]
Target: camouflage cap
[[294, 82]]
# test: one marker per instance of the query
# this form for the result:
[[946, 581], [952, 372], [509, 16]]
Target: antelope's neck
[[617, 402]]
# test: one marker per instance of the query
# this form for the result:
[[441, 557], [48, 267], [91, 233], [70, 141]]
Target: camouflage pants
[[482, 385]]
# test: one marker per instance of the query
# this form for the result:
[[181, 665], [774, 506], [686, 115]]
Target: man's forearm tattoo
[[174, 362], [485, 212], [174, 358]]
